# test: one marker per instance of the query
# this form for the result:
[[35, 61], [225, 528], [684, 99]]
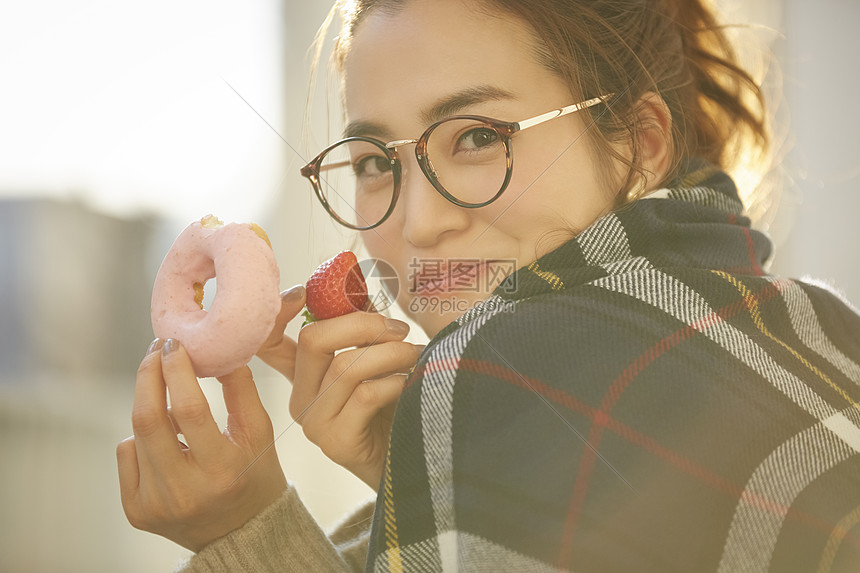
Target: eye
[[477, 138], [372, 166]]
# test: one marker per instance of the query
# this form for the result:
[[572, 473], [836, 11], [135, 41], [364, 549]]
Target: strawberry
[[336, 288]]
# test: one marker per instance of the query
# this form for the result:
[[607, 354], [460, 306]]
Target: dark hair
[[673, 48]]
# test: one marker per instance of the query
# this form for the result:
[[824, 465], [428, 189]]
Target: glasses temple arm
[[538, 119], [323, 168]]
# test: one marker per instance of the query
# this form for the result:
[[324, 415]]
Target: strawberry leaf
[[309, 317]]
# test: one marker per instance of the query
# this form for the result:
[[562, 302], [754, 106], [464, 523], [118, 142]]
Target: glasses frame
[[504, 129]]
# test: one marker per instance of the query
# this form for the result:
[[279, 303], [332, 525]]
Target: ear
[[654, 138]]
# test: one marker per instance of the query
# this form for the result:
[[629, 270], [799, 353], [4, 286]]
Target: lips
[[440, 280]]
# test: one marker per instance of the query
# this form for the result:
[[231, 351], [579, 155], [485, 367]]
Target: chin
[[434, 313], [430, 322]]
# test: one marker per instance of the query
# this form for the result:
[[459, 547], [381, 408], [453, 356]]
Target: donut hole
[[204, 293]]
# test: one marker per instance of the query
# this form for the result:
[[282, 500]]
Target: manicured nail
[[155, 346], [170, 345], [293, 294], [395, 326]]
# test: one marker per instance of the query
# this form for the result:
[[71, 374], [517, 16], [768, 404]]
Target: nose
[[426, 214]]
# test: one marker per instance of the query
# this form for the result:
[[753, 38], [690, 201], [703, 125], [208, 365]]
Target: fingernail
[[396, 326], [155, 346], [293, 294], [419, 348], [170, 345]]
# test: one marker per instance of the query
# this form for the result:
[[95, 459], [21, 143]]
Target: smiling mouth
[[464, 278]]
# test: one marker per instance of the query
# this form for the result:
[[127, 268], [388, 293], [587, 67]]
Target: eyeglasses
[[467, 158]]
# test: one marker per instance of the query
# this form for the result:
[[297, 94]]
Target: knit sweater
[[643, 398]]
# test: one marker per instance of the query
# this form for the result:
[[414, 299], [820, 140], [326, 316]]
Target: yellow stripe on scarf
[[751, 303], [839, 532], [395, 564], [553, 279]]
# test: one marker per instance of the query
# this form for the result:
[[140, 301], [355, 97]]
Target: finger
[[351, 368], [319, 340], [183, 446], [189, 406], [173, 421], [368, 399], [279, 350], [155, 440], [245, 411], [129, 477], [126, 462]]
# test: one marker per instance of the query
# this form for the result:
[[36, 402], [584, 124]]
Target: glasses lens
[[469, 159], [357, 181]]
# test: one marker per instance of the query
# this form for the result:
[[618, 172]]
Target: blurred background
[[122, 122]]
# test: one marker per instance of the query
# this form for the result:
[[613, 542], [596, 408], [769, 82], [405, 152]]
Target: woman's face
[[442, 56]]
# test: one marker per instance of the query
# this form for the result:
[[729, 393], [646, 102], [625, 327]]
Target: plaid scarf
[[643, 398]]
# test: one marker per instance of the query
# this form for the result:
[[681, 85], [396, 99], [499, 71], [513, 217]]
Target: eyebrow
[[445, 107]]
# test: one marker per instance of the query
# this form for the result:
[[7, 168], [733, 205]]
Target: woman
[[634, 394]]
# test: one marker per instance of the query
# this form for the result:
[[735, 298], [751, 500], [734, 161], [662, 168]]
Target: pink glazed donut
[[246, 303]]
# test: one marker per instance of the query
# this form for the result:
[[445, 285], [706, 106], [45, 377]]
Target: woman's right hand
[[344, 401]]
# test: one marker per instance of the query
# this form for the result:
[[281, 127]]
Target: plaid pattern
[[655, 402]]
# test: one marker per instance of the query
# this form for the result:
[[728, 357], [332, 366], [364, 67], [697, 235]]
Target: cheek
[[517, 219], [378, 244], [558, 185], [386, 245], [536, 195]]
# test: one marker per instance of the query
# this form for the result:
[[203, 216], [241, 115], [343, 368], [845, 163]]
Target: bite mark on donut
[[211, 222], [261, 233], [198, 294]]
